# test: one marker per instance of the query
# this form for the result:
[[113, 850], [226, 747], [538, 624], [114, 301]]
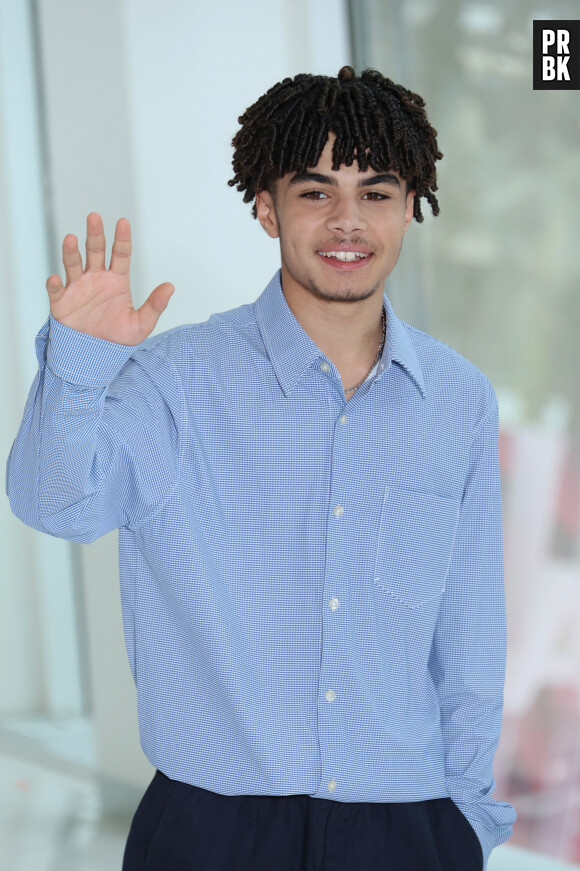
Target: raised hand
[[97, 301]]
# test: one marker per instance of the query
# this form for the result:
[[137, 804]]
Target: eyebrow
[[382, 178]]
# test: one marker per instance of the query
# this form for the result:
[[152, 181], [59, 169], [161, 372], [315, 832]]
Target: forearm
[[52, 471], [471, 703], [467, 661], [72, 470]]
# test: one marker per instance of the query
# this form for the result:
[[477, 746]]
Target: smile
[[346, 256], [345, 261]]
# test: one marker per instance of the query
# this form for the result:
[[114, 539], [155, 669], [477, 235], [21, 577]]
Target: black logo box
[[548, 46]]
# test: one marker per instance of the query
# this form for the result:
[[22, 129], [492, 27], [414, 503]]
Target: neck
[[348, 332]]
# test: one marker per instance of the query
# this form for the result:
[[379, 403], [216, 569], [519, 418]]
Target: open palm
[[96, 300]]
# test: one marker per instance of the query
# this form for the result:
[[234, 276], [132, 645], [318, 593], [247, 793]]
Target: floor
[[52, 822], [50, 814]]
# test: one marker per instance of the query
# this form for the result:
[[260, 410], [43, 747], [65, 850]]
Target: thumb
[[154, 306]]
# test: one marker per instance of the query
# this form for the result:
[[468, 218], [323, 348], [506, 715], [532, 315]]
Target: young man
[[308, 500]]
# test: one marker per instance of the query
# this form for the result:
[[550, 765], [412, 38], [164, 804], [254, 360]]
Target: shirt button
[[338, 510], [324, 366], [331, 785], [334, 604], [330, 695], [342, 418]]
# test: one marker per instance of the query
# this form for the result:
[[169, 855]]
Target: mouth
[[345, 260]]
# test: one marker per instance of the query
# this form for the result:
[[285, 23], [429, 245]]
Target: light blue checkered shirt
[[312, 589]]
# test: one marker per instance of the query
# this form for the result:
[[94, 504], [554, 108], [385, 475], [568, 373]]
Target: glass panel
[[496, 276], [43, 691]]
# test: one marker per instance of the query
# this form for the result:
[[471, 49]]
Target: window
[[496, 276]]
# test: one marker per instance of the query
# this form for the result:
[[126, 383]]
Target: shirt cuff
[[79, 358]]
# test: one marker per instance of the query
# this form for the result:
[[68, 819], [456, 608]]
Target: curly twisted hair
[[376, 122]]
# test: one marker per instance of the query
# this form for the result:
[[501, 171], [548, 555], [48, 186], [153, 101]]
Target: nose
[[346, 216]]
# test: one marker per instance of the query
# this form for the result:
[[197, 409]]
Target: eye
[[313, 195], [376, 196]]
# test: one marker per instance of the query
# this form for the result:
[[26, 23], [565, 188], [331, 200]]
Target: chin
[[346, 291]]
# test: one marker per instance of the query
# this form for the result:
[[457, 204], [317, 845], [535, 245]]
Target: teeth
[[344, 255]]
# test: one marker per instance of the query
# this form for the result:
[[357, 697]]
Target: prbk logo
[[556, 55]]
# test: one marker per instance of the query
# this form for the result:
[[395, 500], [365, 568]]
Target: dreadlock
[[381, 124]]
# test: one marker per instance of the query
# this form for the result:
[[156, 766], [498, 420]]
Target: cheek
[[392, 232], [303, 234]]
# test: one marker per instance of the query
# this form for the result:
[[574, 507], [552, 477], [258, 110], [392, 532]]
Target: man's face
[[324, 216]]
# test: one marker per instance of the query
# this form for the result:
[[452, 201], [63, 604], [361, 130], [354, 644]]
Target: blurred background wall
[[127, 108]]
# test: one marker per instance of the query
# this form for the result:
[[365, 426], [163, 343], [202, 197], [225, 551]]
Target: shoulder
[[201, 341], [448, 373]]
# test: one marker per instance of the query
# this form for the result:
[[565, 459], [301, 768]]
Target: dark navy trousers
[[179, 827]]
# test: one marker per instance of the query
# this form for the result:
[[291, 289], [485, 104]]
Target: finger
[[73, 264], [54, 286], [153, 307], [121, 254], [95, 244]]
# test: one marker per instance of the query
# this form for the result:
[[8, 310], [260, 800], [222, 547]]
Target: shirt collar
[[292, 351]]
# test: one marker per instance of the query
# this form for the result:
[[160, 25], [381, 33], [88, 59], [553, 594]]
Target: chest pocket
[[416, 535]]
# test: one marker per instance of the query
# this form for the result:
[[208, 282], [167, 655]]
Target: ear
[[267, 214], [409, 210]]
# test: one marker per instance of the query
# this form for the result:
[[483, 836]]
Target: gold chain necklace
[[375, 361]]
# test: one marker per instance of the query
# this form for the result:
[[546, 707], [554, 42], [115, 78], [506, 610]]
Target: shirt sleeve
[[467, 659], [97, 447]]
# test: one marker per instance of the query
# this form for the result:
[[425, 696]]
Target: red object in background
[[505, 451], [568, 498], [543, 777], [568, 502]]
